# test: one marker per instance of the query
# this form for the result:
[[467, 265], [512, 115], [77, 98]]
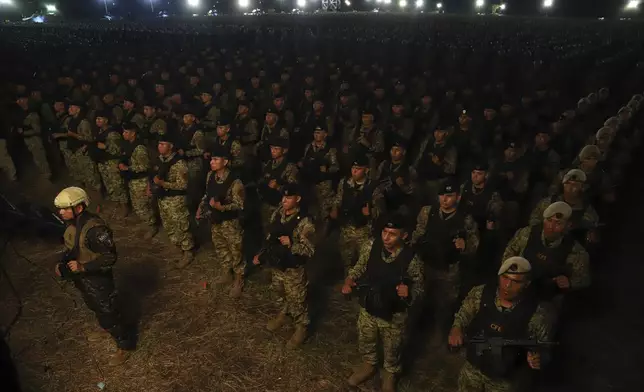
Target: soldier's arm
[[140, 160], [421, 152], [523, 182], [139, 120], [591, 217], [330, 127], [99, 240], [337, 200], [158, 127], [469, 308], [237, 193], [541, 324], [421, 224], [84, 132], [378, 145], [332, 157], [415, 271], [303, 238], [449, 161], [578, 262], [517, 243], [33, 125], [409, 186], [210, 121], [199, 141], [290, 173], [112, 144], [177, 177], [536, 217], [361, 266], [471, 236]]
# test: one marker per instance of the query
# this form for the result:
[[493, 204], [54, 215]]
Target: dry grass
[[191, 338]]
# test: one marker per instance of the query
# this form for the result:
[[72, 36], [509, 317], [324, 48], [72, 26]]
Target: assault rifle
[[496, 344]]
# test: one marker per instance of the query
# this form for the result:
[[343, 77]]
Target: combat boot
[[299, 336], [119, 358], [188, 257], [152, 231], [224, 278], [238, 286], [388, 381], [277, 323], [361, 374]]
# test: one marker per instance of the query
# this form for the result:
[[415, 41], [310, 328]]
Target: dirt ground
[[192, 337]]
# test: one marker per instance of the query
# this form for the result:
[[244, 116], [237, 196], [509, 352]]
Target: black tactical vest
[[437, 246], [226, 145], [312, 161], [162, 173], [429, 171], [74, 144], [476, 204], [490, 322], [98, 155], [184, 138], [127, 149], [353, 200], [219, 192], [270, 195], [395, 197]]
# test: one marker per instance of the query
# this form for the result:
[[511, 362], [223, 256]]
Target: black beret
[[220, 152], [223, 121], [401, 142], [290, 189], [481, 166], [243, 103], [130, 126], [448, 186], [361, 160], [104, 114], [278, 142], [395, 221], [76, 102], [166, 138]]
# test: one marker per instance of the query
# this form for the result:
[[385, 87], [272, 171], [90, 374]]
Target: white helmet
[[71, 197]]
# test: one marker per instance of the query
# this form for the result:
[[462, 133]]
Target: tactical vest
[[184, 138], [239, 130], [379, 298], [270, 195], [490, 322], [429, 171], [219, 192], [127, 150], [75, 238], [394, 195], [505, 186], [162, 173], [275, 254], [74, 144], [353, 200], [476, 204], [546, 262], [128, 116], [312, 161], [98, 155], [437, 246], [227, 145]]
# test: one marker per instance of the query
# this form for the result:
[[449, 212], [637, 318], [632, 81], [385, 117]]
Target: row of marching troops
[[425, 196]]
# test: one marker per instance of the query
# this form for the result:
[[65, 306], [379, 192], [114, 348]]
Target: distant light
[[439, 5], [51, 8], [6, 2], [402, 3], [301, 3], [387, 1], [502, 7], [632, 5], [347, 3], [548, 3], [243, 3], [480, 3], [379, 1], [39, 19], [420, 3], [194, 3]]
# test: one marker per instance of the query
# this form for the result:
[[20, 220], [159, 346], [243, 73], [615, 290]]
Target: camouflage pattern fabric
[[141, 202], [6, 162], [351, 240], [173, 209]]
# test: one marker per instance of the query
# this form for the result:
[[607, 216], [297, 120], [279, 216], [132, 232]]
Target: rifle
[[275, 255], [496, 344]]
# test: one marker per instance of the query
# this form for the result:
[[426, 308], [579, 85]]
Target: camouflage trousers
[[141, 202], [227, 240], [6, 162], [323, 194], [442, 288], [266, 211], [291, 287], [471, 379], [84, 170], [114, 184], [372, 329], [175, 221], [351, 240], [37, 149]]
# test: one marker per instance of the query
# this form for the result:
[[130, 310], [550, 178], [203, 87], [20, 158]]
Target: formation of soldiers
[[465, 203]]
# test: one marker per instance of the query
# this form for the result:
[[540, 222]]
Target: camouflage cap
[[574, 175], [590, 151], [558, 210], [515, 265]]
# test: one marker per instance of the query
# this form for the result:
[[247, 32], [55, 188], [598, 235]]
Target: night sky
[[95, 8]]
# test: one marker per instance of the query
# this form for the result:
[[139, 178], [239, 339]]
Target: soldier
[[389, 279], [559, 263], [288, 247], [224, 140], [222, 204], [90, 253], [245, 128], [447, 238], [352, 208], [153, 126], [396, 182], [512, 176], [105, 150], [271, 129], [544, 163], [135, 169], [318, 167], [436, 161], [210, 112], [598, 183], [505, 309], [28, 127], [584, 220], [191, 145], [275, 174], [170, 186], [130, 112], [368, 140], [115, 111]]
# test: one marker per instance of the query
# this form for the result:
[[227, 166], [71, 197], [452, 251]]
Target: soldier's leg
[[368, 337], [471, 379], [222, 251], [88, 172], [6, 162], [277, 284], [346, 242], [35, 146], [295, 293], [392, 344], [114, 184], [174, 217], [141, 202], [234, 235]]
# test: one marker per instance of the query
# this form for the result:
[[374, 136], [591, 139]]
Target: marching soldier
[[191, 146], [28, 127], [153, 126], [130, 112], [135, 168], [225, 140], [367, 140], [272, 129], [88, 260], [390, 279], [210, 112], [288, 247], [396, 182], [245, 128], [115, 111], [222, 204], [170, 186], [436, 161]]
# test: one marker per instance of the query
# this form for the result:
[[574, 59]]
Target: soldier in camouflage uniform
[[222, 204], [225, 140], [245, 128], [271, 130], [116, 112], [293, 233], [135, 168], [352, 208], [367, 140], [396, 179], [28, 127], [153, 127], [387, 269], [105, 150], [436, 160], [508, 309], [275, 174], [170, 186], [191, 145], [318, 166], [559, 263], [447, 240], [210, 112], [130, 112]]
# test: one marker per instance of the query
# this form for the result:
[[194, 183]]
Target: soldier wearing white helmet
[[89, 257]]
